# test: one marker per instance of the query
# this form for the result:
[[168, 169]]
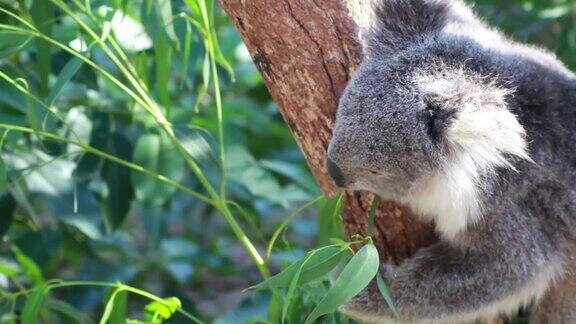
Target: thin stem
[[55, 284], [130, 165], [244, 240], [286, 222], [217, 94]]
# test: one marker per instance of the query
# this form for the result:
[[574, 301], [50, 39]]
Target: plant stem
[[130, 165]]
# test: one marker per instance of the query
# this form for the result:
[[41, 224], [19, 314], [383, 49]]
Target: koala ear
[[388, 26], [483, 128]]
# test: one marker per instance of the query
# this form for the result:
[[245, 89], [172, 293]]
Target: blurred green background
[[73, 214]]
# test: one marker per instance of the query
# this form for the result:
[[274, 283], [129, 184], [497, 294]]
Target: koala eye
[[437, 120]]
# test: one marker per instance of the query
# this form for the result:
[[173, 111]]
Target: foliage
[[141, 156]]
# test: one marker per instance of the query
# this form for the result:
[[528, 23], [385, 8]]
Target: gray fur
[[391, 135]]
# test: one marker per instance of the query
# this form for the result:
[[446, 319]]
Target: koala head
[[418, 124]]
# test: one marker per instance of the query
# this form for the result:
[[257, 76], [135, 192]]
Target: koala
[[475, 132]]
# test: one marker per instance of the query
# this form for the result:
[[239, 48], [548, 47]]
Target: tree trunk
[[306, 50]]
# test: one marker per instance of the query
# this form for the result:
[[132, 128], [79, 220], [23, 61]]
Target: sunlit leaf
[[8, 268], [355, 276], [130, 33], [198, 143], [167, 20], [157, 311], [555, 12], [30, 267]]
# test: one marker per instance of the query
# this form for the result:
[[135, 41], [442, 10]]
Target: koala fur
[[475, 132]]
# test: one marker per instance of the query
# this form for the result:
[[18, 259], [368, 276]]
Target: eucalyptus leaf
[[67, 73], [7, 209], [29, 266], [117, 177], [115, 307], [43, 15], [156, 153], [330, 219], [100, 136], [163, 63], [3, 176], [33, 304], [243, 168], [67, 312], [167, 20], [157, 311], [355, 276], [385, 292], [316, 264], [8, 268]]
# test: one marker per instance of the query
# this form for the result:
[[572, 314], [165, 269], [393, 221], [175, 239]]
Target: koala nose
[[336, 173]]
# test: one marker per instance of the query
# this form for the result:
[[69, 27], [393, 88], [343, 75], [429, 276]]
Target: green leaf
[[68, 72], [198, 143], [43, 16], [33, 304], [12, 97], [117, 177], [13, 44], [163, 62], [7, 209], [315, 265], [243, 168], [8, 269], [355, 276], [385, 292], [118, 315], [156, 153], [292, 288], [29, 266], [99, 138], [115, 309], [294, 172], [330, 220], [185, 52], [219, 57], [158, 311], [3, 176], [372, 215], [167, 20], [555, 12], [66, 311]]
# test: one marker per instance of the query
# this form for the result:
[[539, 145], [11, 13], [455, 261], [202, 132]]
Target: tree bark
[[306, 50]]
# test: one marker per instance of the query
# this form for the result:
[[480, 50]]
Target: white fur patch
[[531, 292], [483, 134]]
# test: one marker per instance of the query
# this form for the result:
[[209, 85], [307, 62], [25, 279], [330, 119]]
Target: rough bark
[[306, 50]]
